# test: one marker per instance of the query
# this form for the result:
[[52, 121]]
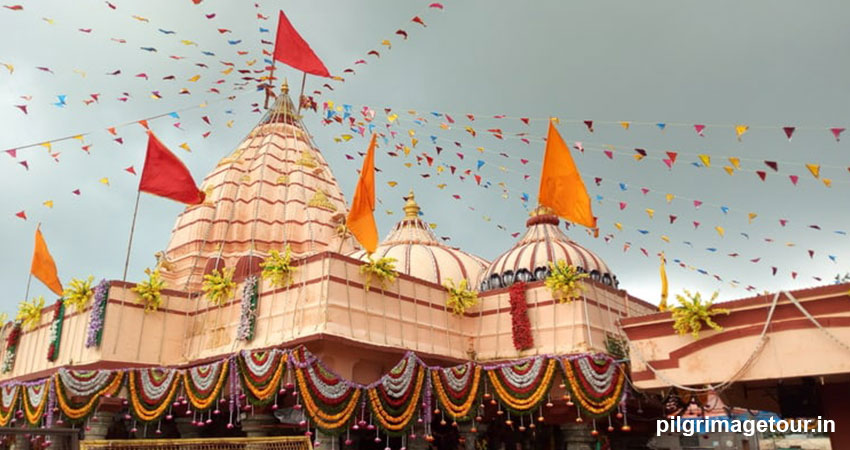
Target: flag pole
[[303, 82], [269, 85], [29, 278], [126, 266]]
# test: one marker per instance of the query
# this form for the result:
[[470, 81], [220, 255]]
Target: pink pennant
[[609, 154], [589, 125], [755, 260], [697, 203], [523, 161], [672, 156], [21, 214], [696, 225], [794, 179], [811, 254], [773, 165], [794, 275], [524, 120], [762, 174], [773, 269], [130, 169], [699, 129], [76, 192], [119, 140], [668, 163], [837, 133], [597, 180], [789, 131], [578, 145], [672, 218], [25, 164], [644, 190], [783, 222], [471, 117], [12, 152], [622, 205]]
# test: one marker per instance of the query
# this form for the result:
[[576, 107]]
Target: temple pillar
[[186, 428], [577, 437], [98, 426], [259, 424]]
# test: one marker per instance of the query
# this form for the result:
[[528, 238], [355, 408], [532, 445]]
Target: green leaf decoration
[[693, 312], [219, 286], [278, 269], [78, 293], [563, 281], [461, 297], [150, 290], [382, 270]]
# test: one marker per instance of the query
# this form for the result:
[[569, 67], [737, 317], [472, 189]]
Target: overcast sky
[[766, 64]]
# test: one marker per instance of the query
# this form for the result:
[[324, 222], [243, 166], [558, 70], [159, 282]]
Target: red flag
[[164, 175], [291, 49]]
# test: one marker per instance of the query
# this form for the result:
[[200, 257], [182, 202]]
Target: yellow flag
[[729, 169], [105, 181], [195, 78], [361, 218], [740, 130], [827, 182], [814, 169], [48, 203], [43, 267], [735, 162], [663, 272], [720, 230], [751, 216], [625, 125], [706, 160], [561, 186], [669, 197], [650, 213]]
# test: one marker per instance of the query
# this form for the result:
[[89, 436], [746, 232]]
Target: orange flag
[[561, 187], [43, 266], [361, 220]]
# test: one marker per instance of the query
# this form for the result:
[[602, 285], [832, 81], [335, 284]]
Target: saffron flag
[[361, 219], [43, 267], [166, 176], [291, 49], [663, 271], [561, 186]]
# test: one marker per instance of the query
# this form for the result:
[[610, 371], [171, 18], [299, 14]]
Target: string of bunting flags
[[402, 402]]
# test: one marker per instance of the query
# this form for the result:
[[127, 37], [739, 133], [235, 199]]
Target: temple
[[351, 359]]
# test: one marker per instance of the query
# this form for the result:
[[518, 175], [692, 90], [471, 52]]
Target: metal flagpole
[[301, 94], [126, 266], [29, 278]]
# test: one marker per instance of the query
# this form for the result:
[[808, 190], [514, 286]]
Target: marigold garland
[[56, 331], [260, 372], [8, 401], [330, 401], [78, 391], [396, 397], [520, 325], [522, 386], [204, 383], [596, 381], [458, 389], [35, 400], [151, 392]]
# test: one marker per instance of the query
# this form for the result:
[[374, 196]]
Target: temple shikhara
[[270, 321]]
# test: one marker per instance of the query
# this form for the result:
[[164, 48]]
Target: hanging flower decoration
[[78, 391], [522, 386], [563, 281], [8, 402], [260, 372], [329, 400], [29, 313], [12, 341], [78, 293], [204, 383], [219, 286], [248, 313], [97, 314], [152, 391], [56, 331], [692, 312], [458, 389], [278, 269], [395, 398], [596, 381], [35, 400], [461, 297], [382, 270], [520, 325], [150, 290]]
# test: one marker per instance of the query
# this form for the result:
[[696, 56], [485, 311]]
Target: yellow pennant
[[619, 226], [827, 182], [105, 181], [720, 230], [433, 226], [392, 183], [413, 142], [408, 165], [729, 169], [194, 78], [706, 160], [735, 162], [650, 213], [48, 203], [814, 169], [406, 150], [555, 120], [440, 169], [79, 137], [441, 186], [670, 197], [251, 62], [229, 124], [665, 239], [185, 146], [751, 216], [411, 133], [392, 117], [346, 137], [625, 125], [740, 130], [47, 145], [480, 149]]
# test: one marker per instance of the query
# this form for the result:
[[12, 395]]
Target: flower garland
[[8, 400], [151, 392], [204, 383], [520, 325], [78, 293], [596, 381], [96, 316], [12, 341], [278, 269], [522, 386], [35, 399], [218, 286], [78, 391], [461, 297], [260, 372], [395, 398], [330, 401], [248, 315], [458, 389], [56, 331]]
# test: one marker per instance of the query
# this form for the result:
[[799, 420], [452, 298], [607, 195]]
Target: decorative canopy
[[418, 253], [543, 242], [274, 190]]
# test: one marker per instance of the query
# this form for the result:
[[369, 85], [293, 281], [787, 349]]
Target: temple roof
[[274, 190], [418, 252]]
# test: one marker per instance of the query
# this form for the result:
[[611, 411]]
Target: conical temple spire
[[274, 190], [411, 208]]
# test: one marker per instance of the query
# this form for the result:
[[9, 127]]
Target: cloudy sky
[[721, 64]]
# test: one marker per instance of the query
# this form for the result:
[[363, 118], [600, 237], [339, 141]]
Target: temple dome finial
[[411, 208]]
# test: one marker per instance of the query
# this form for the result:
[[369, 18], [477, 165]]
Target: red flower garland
[[520, 325]]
